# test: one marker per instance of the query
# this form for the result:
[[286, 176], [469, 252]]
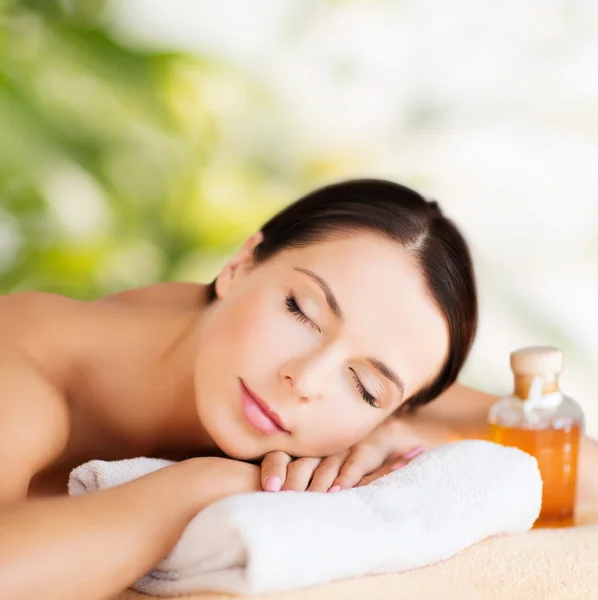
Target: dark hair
[[402, 215]]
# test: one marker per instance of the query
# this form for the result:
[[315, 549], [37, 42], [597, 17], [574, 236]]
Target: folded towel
[[443, 501]]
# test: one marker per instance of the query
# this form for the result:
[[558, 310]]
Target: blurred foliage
[[121, 165]]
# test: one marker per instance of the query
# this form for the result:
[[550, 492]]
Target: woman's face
[[330, 338]]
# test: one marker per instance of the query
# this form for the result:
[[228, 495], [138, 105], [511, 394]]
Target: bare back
[[117, 368]]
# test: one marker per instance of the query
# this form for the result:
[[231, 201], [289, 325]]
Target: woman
[[353, 304]]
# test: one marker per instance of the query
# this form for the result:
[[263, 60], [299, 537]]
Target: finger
[[413, 453], [299, 474], [274, 471], [361, 461], [327, 472], [377, 474], [397, 462]]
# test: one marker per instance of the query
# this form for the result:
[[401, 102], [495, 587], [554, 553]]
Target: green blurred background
[[122, 166], [143, 140]]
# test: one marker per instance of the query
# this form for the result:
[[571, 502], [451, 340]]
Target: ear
[[238, 265]]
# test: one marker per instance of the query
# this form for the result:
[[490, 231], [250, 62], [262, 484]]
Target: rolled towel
[[443, 501]]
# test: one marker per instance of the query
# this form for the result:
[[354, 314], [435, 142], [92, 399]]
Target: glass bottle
[[540, 420]]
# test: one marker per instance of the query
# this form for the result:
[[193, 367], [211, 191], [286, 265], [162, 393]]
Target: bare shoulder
[[34, 415], [173, 294], [34, 422], [25, 310], [64, 337], [36, 301], [44, 327]]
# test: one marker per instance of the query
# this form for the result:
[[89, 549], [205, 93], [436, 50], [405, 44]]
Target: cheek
[[334, 432], [335, 442], [260, 331]]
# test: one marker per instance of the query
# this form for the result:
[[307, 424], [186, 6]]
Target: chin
[[233, 441], [236, 451], [228, 431]]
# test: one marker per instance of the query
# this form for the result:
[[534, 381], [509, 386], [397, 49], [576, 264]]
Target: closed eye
[[371, 400], [293, 308]]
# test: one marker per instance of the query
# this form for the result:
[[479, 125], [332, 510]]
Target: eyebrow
[[389, 374], [330, 299], [336, 311]]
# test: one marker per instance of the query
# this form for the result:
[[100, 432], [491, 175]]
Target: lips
[[259, 414]]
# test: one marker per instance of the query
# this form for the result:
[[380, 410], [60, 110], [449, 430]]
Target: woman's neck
[[179, 429], [137, 390]]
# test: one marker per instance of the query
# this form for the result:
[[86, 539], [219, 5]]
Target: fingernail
[[398, 466], [334, 489], [414, 452], [273, 484]]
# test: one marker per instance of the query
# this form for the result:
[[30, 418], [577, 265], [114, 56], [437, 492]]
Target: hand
[[391, 445], [218, 478], [389, 466]]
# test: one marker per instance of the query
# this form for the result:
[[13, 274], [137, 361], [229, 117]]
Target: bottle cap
[[537, 360]]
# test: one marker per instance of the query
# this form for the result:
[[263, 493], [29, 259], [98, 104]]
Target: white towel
[[443, 501]]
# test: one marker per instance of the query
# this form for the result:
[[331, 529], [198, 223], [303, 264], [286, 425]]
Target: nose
[[306, 378]]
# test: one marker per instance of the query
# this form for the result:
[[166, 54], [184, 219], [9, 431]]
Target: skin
[[305, 366], [154, 372]]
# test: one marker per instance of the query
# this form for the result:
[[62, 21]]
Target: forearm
[[587, 474], [95, 545], [463, 411]]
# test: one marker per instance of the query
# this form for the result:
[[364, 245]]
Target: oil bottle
[[540, 420]]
